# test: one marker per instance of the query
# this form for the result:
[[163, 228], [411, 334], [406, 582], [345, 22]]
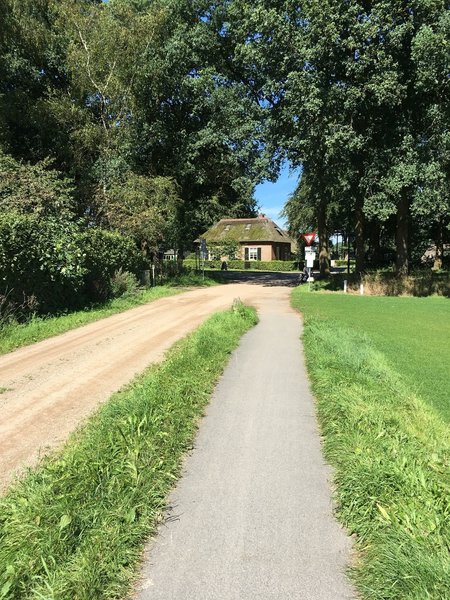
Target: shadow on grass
[[379, 283]]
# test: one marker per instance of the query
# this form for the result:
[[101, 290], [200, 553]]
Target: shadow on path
[[265, 278]]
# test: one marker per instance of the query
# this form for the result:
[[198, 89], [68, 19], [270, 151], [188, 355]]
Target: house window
[[252, 253]]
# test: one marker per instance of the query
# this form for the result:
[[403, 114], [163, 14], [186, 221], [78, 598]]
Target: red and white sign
[[309, 238]]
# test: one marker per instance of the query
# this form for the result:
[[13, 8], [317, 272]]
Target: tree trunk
[[324, 254], [439, 242], [180, 256], [375, 245], [359, 237], [402, 235], [144, 249], [348, 253]]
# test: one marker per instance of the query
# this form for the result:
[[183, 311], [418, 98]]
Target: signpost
[[310, 257], [203, 254], [310, 253], [309, 238]]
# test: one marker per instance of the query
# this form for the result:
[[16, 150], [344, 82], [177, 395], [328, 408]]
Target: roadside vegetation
[[382, 282], [383, 412], [359, 103], [413, 334], [249, 265], [76, 526], [14, 334]]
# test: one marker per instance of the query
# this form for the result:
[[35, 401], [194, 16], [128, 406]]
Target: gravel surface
[[55, 384]]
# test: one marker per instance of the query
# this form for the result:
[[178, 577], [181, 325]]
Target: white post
[[361, 289], [345, 286]]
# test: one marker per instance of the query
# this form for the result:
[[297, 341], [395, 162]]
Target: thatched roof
[[260, 229]]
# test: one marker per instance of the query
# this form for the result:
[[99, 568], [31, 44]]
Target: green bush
[[35, 189], [248, 265], [124, 284], [167, 269], [105, 253], [421, 283], [49, 265], [190, 263], [264, 265], [40, 259]]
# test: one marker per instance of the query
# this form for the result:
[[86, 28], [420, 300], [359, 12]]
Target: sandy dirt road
[[55, 384]]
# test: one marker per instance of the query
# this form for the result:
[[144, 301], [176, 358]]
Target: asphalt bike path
[[251, 517]]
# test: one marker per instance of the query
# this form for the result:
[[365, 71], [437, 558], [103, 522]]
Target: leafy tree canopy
[[34, 189]]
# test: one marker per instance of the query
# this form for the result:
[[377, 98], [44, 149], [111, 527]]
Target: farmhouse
[[256, 239]]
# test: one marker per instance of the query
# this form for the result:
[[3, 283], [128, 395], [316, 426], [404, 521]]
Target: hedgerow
[[40, 259], [104, 253], [51, 264], [248, 265]]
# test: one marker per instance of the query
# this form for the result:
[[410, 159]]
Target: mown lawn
[[379, 371], [412, 333]]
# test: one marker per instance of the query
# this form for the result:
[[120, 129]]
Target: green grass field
[[75, 527], [412, 333], [379, 370]]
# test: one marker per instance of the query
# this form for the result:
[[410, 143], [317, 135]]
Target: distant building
[[170, 254], [257, 239]]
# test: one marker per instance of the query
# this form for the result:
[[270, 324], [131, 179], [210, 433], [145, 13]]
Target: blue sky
[[271, 197]]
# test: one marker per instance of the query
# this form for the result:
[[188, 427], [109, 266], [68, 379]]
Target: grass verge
[[391, 454], [75, 527], [412, 333], [16, 335]]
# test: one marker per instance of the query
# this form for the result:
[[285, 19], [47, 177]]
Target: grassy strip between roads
[[16, 335], [391, 454], [74, 529]]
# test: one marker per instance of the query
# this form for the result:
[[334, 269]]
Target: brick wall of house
[[268, 250]]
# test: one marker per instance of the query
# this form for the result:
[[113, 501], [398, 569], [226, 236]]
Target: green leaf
[[5, 589], [65, 521], [384, 513]]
